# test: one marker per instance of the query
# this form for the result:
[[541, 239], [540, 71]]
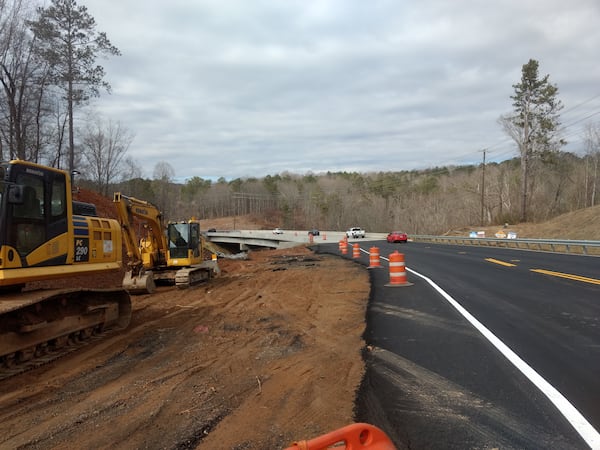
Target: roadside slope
[[268, 353]]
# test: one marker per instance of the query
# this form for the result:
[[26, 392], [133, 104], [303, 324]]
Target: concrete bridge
[[246, 239]]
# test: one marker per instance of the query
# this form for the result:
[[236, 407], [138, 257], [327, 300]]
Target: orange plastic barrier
[[356, 251], [374, 262], [352, 437], [397, 271], [344, 245]]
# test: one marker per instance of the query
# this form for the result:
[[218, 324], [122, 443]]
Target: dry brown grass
[[583, 224]]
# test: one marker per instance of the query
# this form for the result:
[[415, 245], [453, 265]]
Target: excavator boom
[[172, 254]]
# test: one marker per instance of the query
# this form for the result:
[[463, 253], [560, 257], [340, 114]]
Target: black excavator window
[[178, 236], [28, 229]]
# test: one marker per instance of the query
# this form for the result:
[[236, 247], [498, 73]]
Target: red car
[[397, 236]]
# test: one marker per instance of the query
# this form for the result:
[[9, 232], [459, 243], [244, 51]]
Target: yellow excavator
[[172, 254], [45, 235]]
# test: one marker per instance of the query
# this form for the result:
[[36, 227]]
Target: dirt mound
[[268, 353], [104, 205]]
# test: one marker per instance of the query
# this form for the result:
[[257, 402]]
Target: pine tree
[[535, 123], [67, 40]]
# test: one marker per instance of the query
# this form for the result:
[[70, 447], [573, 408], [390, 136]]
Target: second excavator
[[172, 254]]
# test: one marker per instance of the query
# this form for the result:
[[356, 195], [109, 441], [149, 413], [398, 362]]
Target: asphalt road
[[434, 380]]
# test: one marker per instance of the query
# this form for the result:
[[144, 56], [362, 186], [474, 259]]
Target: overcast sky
[[242, 88]]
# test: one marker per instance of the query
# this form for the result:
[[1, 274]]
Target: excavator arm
[[146, 253], [153, 257]]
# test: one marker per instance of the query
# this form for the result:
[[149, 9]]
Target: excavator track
[[189, 276], [74, 343], [38, 327]]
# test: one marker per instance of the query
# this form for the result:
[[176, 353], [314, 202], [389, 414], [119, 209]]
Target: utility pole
[[483, 187]]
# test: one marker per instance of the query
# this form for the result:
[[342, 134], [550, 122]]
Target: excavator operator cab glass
[[178, 239], [15, 193]]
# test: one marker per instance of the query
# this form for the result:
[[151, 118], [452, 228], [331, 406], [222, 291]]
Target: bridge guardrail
[[590, 248]]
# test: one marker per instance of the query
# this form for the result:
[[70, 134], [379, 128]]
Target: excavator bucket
[[139, 284], [351, 437]]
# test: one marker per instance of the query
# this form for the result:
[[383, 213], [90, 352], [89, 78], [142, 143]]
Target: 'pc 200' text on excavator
[[45, 235]]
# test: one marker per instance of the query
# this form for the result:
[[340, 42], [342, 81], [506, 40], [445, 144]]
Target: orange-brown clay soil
[[267, 353]]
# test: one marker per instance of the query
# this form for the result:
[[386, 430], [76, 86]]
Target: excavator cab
[[33, 211], [42, 230], [184, 243]]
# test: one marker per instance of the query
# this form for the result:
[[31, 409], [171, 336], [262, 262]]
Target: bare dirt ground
[[265, 354]]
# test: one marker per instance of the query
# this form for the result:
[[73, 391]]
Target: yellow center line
[[502, 263], [567, 275]]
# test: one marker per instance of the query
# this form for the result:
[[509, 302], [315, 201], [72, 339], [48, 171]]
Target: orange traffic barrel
[[355, 436], [344, 247], [356, 251], [374, 262], [397, 271]]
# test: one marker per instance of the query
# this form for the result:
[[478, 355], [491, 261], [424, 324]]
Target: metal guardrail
[[590, 248]]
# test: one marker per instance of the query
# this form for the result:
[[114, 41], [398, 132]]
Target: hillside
[[581, 224]]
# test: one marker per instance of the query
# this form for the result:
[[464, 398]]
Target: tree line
[[48, 71], [431, 201]]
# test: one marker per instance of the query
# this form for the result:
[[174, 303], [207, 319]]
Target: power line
[[582, 119], [581, 104], [561, 129]]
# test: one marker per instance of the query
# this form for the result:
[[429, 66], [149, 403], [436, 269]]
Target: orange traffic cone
[[374, 262], [355, 436], [397, 271]]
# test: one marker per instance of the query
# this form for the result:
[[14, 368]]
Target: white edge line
[[575, 418]]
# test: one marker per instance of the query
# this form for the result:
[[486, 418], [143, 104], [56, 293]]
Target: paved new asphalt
[[435, 381]]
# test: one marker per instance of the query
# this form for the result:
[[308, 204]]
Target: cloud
[[239, 89]]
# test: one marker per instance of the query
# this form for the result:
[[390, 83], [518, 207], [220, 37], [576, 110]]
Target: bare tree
[[67, 40], [23, 87], [163, 171], [131, 169], [105, 144], [163, 176]]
